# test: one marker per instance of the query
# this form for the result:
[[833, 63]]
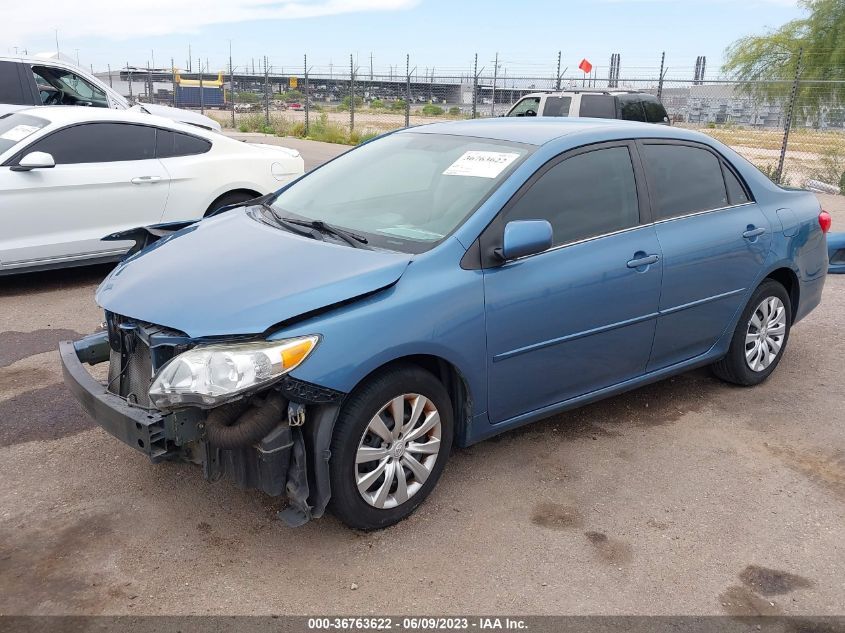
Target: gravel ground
[[684, 497]]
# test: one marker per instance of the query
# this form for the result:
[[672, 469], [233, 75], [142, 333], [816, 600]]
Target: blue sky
[[440, 33]]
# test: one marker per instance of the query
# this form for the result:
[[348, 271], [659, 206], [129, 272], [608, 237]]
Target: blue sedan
[[439, 285]]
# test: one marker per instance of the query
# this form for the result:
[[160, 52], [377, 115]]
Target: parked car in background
[[33, 81], [599, 104], [836, 252], [440, 285], [69, 176]]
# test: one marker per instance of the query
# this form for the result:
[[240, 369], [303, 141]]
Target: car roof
[[541, 130], [586, 91], [68, 114]]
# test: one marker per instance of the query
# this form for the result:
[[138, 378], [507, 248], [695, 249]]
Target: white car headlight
[[212, 374]]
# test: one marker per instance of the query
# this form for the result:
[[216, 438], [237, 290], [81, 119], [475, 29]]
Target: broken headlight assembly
[[209, 375]]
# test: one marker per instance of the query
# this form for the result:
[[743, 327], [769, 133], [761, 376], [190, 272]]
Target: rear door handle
[[641, 259], [751, 233], [145, 180]]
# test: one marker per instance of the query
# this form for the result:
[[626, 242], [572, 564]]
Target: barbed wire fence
[[793, 129]]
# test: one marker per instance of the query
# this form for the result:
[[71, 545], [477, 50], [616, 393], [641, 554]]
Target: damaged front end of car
[[222, 406]]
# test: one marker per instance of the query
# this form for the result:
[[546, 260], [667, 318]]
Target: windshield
[[406, 191], [15, 127]]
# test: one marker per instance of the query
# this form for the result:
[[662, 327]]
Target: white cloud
[[123, 19]]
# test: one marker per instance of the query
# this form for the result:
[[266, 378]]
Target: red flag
[[585, 66]]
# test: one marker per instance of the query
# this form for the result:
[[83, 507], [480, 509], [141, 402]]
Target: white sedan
[[70, 175]]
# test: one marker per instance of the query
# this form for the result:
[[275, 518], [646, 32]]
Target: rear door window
[[654, 110], [170, 144], [630, 107], [557, 106], [683, 179], [598, 106], [98, 143], [12, 90]]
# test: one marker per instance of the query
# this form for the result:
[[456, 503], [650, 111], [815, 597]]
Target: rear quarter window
[[170, 144], [654, 110], [630, 107]]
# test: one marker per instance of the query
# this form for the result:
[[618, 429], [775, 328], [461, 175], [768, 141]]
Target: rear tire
[[233, 197], [760, 337], [380, 474]]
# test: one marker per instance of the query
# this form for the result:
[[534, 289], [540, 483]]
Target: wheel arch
[[787, 278], [447, 373], [244, 190]]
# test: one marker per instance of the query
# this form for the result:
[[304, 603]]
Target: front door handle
[[751, 233], [145, 180], [641, 259]]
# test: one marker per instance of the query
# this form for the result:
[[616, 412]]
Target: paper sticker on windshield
[[481, 164], [18, 133]]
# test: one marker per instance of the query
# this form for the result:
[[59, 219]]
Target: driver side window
[[57, 86], [527, 107]]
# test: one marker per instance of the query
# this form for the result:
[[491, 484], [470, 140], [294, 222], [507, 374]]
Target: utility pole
[[495, 76], [351, 94], [660, 81], [109, 67], [557, 74], [58, 52], [788, 125], [266, 91], [474, 85], [371, 67], [232, 83], [202, 93], [307, 107], [407, 89], [189, 57]]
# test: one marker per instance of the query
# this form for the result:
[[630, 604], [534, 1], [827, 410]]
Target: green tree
[[821, 38]]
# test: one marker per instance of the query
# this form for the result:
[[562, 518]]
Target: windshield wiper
[[285, 224], [353, 239]]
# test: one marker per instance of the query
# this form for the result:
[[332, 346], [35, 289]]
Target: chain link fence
[[793, 130]]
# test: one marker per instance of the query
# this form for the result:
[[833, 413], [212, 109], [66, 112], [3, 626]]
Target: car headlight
[[209, 375]]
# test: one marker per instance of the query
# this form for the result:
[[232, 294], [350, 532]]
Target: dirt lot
[[685, 497]]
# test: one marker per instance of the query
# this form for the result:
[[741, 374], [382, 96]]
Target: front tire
[[390, 444], [760, 337]]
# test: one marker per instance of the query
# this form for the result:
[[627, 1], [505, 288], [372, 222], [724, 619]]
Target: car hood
[[234, 275], [179, 115]]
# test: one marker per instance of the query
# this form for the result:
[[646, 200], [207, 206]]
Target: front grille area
[[137, 350], [130, 373]]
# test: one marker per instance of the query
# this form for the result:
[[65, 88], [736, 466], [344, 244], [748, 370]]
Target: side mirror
[[526, 237], [34, 160]]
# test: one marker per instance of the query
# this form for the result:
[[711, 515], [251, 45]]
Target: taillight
[[824, 221]]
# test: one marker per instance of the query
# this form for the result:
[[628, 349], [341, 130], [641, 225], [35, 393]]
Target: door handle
[[145, 180], [751, 233], [641, 259]]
